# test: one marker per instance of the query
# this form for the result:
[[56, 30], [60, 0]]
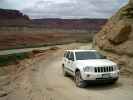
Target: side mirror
[[104, 57], [72, 59]]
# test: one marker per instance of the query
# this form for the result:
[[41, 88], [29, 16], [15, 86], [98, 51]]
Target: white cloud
[[67, 8]]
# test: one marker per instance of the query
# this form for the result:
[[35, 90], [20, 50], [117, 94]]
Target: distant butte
[[16, 18], [13, 18]]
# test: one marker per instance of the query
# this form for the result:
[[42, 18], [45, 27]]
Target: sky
[[65, 8]]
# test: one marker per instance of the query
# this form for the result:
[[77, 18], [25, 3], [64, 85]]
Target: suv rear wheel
[[78, 80]]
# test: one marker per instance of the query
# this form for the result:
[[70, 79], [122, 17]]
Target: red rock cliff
[[116, 38]]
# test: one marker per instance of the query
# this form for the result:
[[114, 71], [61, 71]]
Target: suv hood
[[95, 63]]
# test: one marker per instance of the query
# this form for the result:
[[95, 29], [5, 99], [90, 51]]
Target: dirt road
[[48, 83]]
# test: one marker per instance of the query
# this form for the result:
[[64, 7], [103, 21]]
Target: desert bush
[[12, 58]]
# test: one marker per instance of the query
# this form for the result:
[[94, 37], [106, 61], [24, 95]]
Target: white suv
[[89, 65]]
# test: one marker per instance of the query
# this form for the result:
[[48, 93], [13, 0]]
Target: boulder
[[3, 93], [121, 32]]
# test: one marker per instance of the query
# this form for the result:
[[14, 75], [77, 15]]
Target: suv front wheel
[[78, 80], [63, 71]]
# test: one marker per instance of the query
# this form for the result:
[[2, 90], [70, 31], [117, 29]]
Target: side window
[[67, 55], [71, 57]]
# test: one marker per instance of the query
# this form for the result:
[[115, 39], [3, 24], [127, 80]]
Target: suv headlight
[[88, 69], [116, 67]]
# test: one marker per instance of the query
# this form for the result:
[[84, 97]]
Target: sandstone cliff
[[13, 18], [116, 38], [18, 31]]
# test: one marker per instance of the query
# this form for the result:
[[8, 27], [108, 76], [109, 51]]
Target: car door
[[66, 60], [71, 62]]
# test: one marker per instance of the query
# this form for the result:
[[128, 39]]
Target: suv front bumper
[[100, 76]]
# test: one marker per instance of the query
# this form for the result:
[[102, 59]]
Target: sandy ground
[[45, 81]]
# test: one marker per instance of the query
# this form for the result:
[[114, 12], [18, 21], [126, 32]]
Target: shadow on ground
[[100, 86]]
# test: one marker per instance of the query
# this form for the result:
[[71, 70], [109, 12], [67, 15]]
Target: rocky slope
[[13, 18], [116, 38]]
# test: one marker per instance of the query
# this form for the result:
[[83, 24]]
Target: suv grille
[[104, 69]]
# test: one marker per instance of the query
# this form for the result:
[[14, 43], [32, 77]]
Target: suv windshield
[[85, 55]]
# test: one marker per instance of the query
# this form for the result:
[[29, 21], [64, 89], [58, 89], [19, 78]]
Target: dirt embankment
[[116, 38], [17, 70], [42, 79]]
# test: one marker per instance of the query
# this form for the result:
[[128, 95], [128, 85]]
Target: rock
[[122, 32], [131, 2], [12, 14], [13, 18], [3, 93], [126, 48], [116, 38]]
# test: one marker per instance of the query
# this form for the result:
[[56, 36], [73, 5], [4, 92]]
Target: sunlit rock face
[[116, 38], [131, 2]]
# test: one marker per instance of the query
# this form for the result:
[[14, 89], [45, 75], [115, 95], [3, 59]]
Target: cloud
[[67, 8]]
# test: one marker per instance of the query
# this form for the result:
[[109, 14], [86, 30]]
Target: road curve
[[54, 86], [46, 82]]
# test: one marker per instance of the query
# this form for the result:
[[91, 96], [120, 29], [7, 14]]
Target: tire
[[113, 81], [78, 80], [63, 71]]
